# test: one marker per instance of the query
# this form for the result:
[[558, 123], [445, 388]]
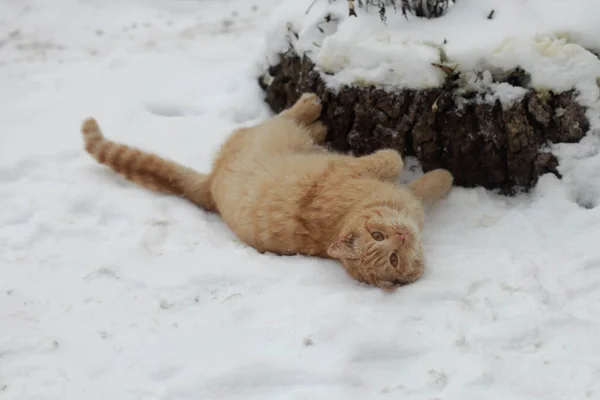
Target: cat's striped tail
[[146, 169]]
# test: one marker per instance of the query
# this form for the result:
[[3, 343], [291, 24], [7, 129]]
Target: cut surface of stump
[[482, 142]]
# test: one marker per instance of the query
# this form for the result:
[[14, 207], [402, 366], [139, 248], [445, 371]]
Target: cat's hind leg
[[295, 129], [433, 185], [384, 164], [306, 110]]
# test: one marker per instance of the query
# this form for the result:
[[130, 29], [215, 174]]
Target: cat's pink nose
[[402, 235]]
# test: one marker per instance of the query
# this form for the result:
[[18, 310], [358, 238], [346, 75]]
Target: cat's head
[[381, 246]]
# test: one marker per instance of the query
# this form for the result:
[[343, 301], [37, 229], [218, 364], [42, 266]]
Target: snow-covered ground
[[553, 40], [108, 291]]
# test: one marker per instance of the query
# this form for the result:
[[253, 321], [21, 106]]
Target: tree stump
[[482, 143]]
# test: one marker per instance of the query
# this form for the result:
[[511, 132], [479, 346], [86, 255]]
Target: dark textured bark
[[482, 144]]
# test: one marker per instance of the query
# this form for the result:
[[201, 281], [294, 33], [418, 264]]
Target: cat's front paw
[[308, 108], [386, 164], [392, 158], [433, 185]]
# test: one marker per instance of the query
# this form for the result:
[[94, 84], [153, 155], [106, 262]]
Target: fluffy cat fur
[[280, 192]]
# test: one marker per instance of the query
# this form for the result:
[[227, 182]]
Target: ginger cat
[[280, 192]]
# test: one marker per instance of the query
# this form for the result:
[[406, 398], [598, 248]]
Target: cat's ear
[[343, 248]]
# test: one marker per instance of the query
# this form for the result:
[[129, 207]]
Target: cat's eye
[[377, 236], [394, 260]]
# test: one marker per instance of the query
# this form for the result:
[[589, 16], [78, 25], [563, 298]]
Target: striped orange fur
[[146, 169], [280, 191]]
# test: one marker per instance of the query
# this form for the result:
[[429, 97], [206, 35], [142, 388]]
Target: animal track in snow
[[165, 110], [586, 194], [439, 379], [171, 110], [586, 201], [102, 273], [370, 354], [262, 378]]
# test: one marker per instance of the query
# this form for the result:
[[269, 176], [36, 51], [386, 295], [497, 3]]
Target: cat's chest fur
[[289, 209]]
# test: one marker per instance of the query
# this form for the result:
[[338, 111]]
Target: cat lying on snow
[[280, 192]]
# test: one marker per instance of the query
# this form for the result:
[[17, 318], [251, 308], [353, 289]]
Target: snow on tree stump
[[482, 143]]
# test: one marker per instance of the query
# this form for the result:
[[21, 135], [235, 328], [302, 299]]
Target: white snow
[[108, 291], [550, 39]]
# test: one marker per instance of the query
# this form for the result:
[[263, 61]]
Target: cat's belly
[[272, 230], [270, 219], [267, 204]]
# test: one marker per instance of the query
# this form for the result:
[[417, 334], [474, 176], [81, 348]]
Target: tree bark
[[481, 143]]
